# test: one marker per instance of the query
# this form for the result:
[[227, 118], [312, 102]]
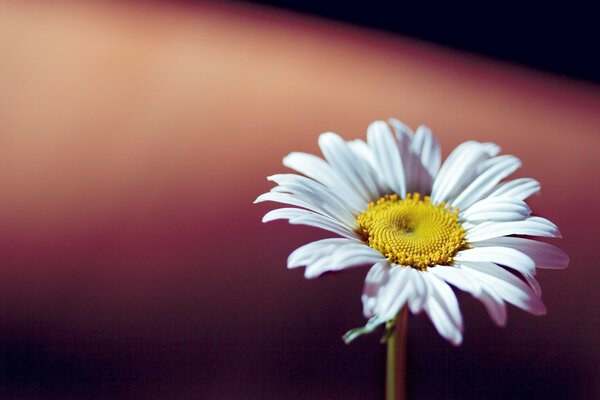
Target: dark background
[[553, 37]]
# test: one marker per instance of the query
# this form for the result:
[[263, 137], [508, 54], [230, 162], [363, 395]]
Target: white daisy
[[420, 226]]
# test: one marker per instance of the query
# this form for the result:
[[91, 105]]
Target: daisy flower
[[421, 225]]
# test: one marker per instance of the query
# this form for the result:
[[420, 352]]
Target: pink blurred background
[[133, 140]]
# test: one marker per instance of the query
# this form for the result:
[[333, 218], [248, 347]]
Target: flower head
[[420, 225]]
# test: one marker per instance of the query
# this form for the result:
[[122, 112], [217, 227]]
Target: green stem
[[395, 387]]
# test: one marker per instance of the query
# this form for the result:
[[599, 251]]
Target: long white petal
[[313, 251], [456, 276], [426, 146], [362, 149], [298, 216], [519, 189], [420, 293], [354, 170], [444, 294], [496, 209], [500, 255], [387, 156], [460, 168], [495, 306], [394, 295], [534, 284], [442, 309], [411, 158], [332, 255], [314, 193], [377, 277], [543, 254], [318, 169], [531, 226], [287, 198], [508, 286], [492, 172]]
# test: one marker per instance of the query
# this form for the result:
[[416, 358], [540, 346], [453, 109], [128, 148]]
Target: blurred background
[[135, 136]]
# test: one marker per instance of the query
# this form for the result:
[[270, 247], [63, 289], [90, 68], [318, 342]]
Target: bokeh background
[[134, 138]]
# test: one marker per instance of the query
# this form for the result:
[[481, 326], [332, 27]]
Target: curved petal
[[506, 285], [377, 277], [460, 168], [456, 276], [314, 193], [427, 147], [496, 209], [354, 170], [362, 149], [420, 154], [318, 169], [490, 173], [495, 306], [519, 189], [313, 251], [387, 156], [332, 255], [299, 216], [500, 255], [531, 226], [543, 254], [443, 311], [420, 290], [395, 293], [533, 283]]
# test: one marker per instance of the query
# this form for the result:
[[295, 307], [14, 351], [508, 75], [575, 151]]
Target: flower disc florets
[[412, 231]]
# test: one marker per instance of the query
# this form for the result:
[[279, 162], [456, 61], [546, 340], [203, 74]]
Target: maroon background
[[133, 140]]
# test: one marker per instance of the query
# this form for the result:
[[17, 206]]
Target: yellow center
[[412, 232]]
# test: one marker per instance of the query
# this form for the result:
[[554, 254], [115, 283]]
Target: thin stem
[[395, 387]]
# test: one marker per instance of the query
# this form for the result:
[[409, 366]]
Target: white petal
[[497, 209], [332, 255], [444, 294], [313, 251], [362, 149], [315, 194], [394, 295], [543, 254], [531, 226], [442, 309], [304, 217], [519, 189], [456, 276], [420, 293], [492, 172], [401, 129], [387, 156], [416, 176], [355, 171], [506, 285], [377, 277], [312, 166], [501, 255], [521, 264], [318, 169], [460, 168], [495, 306], [287, 198], [426, 146], [533, 283]]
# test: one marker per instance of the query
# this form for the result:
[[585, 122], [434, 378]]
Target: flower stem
[[395, 387]]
